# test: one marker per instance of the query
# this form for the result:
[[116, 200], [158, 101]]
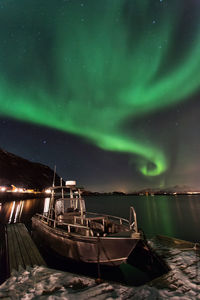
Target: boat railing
[[95, 221], [120, 220], [56, 223], [133, 219]]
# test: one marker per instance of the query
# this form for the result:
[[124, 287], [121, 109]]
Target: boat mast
[[62, 187], [54, 176], [50, 212]]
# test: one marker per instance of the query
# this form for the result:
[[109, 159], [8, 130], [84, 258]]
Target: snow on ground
[[182, 282]]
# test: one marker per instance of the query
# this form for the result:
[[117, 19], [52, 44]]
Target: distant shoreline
[[4, 196], [141, 194]]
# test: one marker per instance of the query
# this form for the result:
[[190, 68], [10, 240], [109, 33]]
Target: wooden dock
[[3, 256], [21, 249]]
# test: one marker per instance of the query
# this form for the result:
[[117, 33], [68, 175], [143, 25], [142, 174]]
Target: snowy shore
[[182, 282]]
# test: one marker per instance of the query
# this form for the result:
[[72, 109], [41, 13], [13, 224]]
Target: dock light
[[48, 191], [70, 182]]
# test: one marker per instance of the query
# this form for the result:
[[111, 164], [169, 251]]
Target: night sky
[[106, 90]]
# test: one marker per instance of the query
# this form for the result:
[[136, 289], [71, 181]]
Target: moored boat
[[69, 230]]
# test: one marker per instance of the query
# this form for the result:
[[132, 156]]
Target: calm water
[[177, 216]]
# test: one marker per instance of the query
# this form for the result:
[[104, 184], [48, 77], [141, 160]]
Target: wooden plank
[[11, 250], [22, 250], [28, 245], [17, 251], [3, 255], [25, 245], [34, 254]]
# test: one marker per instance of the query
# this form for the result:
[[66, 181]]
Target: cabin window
[[68, 205], [59, 207]]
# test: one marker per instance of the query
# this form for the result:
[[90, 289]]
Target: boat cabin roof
[[74, 188]]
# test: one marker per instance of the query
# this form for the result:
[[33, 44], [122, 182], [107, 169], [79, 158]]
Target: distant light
[[20, 190], [48, 191], [3, 189], [70, 182], [191, 193], [30, 191]]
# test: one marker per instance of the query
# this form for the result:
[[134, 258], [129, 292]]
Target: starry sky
[[108, 91]]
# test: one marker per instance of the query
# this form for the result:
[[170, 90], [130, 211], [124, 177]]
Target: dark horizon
[[108, 91]]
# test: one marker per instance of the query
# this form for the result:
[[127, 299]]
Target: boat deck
[[21, 249]]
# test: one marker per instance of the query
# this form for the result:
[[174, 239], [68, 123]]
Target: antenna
[[54, 175]]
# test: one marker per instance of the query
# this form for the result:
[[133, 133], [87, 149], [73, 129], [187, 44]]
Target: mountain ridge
[[21, 172]]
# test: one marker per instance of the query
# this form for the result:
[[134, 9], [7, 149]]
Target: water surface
[[176, 216]]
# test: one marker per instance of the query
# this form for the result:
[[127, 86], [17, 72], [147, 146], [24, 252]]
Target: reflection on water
[[20, 210], [16, 212], [158, 212], [163, 210], [11, 213], [176, 216], [194, 212]]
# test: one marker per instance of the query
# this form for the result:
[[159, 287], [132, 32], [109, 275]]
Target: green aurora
[[87, 67]]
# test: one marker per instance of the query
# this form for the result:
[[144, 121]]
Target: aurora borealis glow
[[89, 67]]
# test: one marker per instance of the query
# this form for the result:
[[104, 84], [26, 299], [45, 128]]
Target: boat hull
[[103, 250]]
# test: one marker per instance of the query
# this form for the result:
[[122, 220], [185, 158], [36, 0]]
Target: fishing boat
[[69, 230]]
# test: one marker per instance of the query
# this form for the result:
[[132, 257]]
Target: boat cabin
[[66, 201], [67, 210]]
